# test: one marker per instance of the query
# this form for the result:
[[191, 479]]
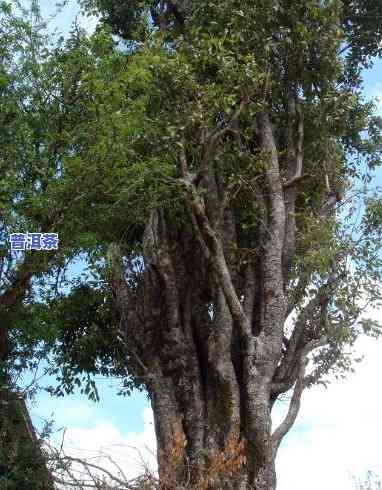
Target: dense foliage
[[214, 153]]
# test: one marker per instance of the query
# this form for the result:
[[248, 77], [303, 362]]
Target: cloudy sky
[[337, 434]]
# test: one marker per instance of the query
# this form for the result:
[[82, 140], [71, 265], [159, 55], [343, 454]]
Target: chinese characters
[[34, 241]]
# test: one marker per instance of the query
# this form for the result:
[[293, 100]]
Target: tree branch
[[294, 408], [299, 147], [295, 350], [216, 255], [214, 136]]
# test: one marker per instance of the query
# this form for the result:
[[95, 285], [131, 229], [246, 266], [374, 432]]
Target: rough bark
[[210, 334]]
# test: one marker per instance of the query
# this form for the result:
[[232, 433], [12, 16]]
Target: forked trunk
[[211, 403], [225, 457], [204, 323]]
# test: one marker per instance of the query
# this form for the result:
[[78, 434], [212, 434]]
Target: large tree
[[215, 159], [233, 146], [229, 143]]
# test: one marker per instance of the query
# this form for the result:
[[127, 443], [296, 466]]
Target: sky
[[337, 434]]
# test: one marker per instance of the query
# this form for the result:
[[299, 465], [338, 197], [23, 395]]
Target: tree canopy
[[214, 164]]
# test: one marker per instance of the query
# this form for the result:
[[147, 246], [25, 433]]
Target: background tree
[[29, 168]]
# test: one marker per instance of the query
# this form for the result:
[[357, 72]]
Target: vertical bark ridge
[[218, 359], [178, 356], [295, 137]]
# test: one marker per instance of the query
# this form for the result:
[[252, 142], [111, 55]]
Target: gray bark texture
[[207, 333]]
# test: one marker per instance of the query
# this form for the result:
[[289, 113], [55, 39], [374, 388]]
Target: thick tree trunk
[[224, 458], [205, 329], [211, 406]]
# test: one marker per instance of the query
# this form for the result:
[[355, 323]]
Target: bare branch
[[294, 408], [183, 160], [216, 254], [212, 138], [88, 466], [299, 148], [297, 343]]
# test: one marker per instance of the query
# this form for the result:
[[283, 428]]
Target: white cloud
[[106, 446], [89, 23], [72, 412], [337, 434]]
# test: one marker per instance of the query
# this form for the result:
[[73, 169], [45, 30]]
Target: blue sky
[[337, 433]]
